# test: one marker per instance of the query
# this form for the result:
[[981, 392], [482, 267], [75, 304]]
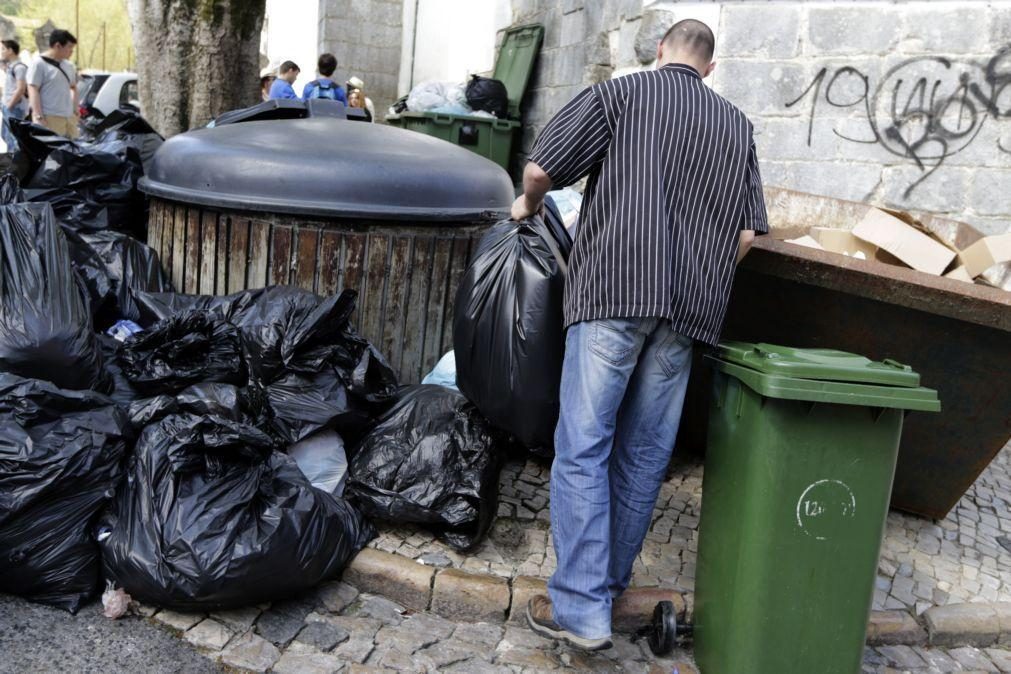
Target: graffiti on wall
[[923, 110]]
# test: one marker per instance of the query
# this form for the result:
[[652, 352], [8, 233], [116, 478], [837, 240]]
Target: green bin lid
[[516, 62], [824, 375]]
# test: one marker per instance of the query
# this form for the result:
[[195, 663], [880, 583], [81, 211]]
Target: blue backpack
[[329, 90]]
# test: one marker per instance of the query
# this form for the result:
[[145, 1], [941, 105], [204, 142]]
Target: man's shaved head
[[691, 37]]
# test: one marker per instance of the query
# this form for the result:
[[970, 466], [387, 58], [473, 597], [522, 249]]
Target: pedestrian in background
[[323, 86], [356, 99], [281, 88], [673, 200], [267, 78], [52, 85], [15, 100], [357, 83]]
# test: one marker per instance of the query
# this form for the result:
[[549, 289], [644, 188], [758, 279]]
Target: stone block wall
[[365, 36], [903, 104]]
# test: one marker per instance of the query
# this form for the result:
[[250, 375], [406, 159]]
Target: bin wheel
[[664, 629]]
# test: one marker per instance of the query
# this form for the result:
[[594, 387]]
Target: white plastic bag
[[322, 460], [430, 95]]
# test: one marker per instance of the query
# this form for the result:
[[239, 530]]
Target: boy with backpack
[[323, 86]]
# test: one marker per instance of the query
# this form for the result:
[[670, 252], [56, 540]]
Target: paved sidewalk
[[923, 563], [336, 629]]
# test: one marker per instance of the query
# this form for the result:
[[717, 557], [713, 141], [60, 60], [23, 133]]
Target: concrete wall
[[366, 37], [905, 104]]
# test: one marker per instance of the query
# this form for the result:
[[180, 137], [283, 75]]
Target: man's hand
[[523, 208]]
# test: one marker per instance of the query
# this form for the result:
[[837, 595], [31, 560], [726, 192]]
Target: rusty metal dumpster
[[957, 335], [326, 204]]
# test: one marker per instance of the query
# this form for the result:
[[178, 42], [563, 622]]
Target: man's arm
[[19, 91], [747, 237], [572, 143], [536, 183], [35, 103]]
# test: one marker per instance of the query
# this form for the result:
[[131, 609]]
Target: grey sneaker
[[541, 620]]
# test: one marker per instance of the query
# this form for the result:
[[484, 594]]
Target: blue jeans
[[623, 387], [11, 142]]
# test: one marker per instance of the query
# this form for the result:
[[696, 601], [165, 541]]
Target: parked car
[[99, 93]]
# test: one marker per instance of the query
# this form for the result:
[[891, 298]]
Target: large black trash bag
[[431, 459], [113, 267], [154, 307], [105, 174], [507, 329], [484, 93], [130, 128], [302, 352], [182, 350], [61, 458], [211, 517], [45, 324]]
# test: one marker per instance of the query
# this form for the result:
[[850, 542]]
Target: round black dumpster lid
[[329, 167]]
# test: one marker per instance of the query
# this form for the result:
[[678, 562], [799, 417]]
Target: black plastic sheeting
[[507, 329], [213, 517], [431, 460], [45, 325], [60, 461], [128, 127]]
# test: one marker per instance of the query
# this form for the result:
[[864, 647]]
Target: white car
[[104, 92]]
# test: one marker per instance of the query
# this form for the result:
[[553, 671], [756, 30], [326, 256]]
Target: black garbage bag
[[45, 324], [484, 93], [431, 459], [104, 174], [182, 350], [114, 266], [130, 128], [302, 352], [154, 307], [211, 517], [60, 462], [507, 329]]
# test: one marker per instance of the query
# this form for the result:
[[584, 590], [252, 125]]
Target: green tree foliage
[[94, 14]]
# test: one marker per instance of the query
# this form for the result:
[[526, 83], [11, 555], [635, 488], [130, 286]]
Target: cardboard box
[[904, 241], [985, 253], [842, 241], [805, 241], [959, 274]]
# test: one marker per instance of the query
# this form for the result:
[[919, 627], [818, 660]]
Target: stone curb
[[462, 595]]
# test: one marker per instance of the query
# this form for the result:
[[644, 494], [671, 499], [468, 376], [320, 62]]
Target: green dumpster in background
[[487, 136], [798, 475]]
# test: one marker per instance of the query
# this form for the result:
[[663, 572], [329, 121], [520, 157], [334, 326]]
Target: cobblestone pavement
[[336, 629], [923, 563]]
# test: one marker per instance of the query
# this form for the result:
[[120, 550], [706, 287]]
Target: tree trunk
[[195, 58]]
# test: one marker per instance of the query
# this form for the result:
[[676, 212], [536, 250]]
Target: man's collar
[[682, 67]]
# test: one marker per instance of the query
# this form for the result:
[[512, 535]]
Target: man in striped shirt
[[673, 200]]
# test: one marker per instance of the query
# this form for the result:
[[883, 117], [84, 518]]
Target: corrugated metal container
[[327, 204]]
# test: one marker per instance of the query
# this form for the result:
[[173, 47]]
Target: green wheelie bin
[[798, 475]]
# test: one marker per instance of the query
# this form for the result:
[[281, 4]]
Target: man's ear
[[659, 52], [709, 70]]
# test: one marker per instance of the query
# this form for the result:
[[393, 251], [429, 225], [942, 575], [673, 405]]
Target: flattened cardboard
[[904, 241], [959, 274], [842, 241], [985, 253], [806, 241]]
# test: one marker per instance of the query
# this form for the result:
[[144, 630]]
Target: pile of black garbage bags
[[200, 452]]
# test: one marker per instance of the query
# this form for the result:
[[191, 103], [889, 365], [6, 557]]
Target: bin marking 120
[[822, 506]]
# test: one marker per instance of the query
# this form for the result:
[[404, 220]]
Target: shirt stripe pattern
[[672, 178]]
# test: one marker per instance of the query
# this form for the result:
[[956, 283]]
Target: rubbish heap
[[198, 452]]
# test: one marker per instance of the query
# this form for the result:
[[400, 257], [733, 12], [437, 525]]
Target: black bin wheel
[[664, 629]]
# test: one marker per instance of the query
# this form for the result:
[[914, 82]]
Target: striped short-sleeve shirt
[[672, 180]]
